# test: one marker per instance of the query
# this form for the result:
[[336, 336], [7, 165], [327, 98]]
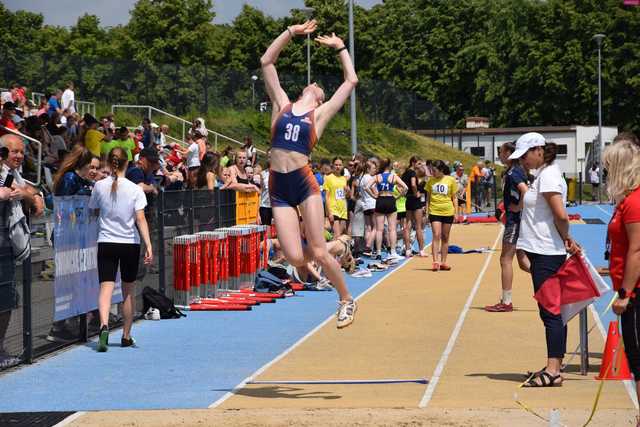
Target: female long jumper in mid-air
[[295, 129]]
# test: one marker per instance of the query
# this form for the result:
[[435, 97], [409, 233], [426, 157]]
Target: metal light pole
[[308, 11], [599, 39], [254, 78], [352, 52]]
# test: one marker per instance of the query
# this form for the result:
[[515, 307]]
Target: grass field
[[374, 138]]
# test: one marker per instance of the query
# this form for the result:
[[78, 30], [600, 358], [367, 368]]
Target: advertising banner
[[76, 258]]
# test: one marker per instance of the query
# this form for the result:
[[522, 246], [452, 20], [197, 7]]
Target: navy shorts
[[292, 188], [511, 228]]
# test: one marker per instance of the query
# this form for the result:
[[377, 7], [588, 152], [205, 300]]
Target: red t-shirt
[[8, 124], [627, 212]]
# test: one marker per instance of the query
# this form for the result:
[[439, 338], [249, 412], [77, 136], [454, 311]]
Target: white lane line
[[257, 373], [433, 380], [605, 211], [71, 418], [372, 381], [628, 384]]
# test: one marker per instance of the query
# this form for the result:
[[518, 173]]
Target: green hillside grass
[[373, 138]]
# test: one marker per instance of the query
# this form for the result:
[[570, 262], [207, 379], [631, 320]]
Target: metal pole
[[308, 59], [599, 38], [160, 245], [27, 303], [584, 343], [253, 92], [354, 130], [600, 118], [580, 186], [493, 148]]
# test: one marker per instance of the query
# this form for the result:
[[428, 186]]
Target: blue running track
[[181, 364]]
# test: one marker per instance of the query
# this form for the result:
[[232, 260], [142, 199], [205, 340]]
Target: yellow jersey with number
[[334, 187], [441, 192]]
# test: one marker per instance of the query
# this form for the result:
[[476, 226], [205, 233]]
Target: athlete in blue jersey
[[295, 129]]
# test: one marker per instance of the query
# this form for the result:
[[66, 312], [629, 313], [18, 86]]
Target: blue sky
[[114, 12]]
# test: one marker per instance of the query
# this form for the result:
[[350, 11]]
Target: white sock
[[506, 297], [393, 252]]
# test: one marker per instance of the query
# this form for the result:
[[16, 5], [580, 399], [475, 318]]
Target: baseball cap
[[17, 119], [526, 142], [150, 154], [154, 125]]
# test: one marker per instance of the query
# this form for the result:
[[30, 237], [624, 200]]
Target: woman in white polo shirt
[[544, 236], [121, 222]]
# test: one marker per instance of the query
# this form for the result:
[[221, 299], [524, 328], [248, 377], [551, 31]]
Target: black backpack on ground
[[153, 298], [268, 282]]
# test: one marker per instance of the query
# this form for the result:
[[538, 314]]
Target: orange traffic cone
[[614, 360]]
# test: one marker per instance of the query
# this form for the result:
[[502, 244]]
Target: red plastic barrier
[[481, 220], [296, 286], [262, 294], [219, 307]]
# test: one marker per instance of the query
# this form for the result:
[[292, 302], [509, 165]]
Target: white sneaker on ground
[[324, 285], [393, 259], [152, 314], [346, 313], [363, 272]]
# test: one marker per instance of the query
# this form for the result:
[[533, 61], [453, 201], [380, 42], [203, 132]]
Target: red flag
[[573, 283]]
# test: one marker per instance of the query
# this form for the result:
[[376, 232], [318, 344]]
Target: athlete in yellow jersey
[[442, 206], [336, 190]]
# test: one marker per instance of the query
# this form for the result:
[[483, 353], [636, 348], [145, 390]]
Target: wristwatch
[[622, 293]]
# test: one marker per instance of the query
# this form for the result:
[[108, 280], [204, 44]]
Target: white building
[[574, 142]]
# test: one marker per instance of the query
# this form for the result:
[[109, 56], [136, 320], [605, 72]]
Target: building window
[[477, 151], [562, 150]]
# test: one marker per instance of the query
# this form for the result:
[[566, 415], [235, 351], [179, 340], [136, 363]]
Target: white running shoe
[[363, 272], [393, 259], [152, 314], [346, 313], [324, 285]]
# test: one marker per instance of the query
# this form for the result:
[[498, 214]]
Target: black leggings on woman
[[630, 320], [543, 267]]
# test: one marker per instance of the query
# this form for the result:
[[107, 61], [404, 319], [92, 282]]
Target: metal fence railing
[[29, 334], [183, 125], [83, 107]]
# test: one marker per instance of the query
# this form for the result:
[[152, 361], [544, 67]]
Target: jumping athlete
[[295, 129]]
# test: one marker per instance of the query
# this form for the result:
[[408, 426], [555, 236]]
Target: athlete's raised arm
[[277, 95], [326, 111]]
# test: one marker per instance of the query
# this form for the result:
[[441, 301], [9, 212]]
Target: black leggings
[[630, 320], [543, 267]]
